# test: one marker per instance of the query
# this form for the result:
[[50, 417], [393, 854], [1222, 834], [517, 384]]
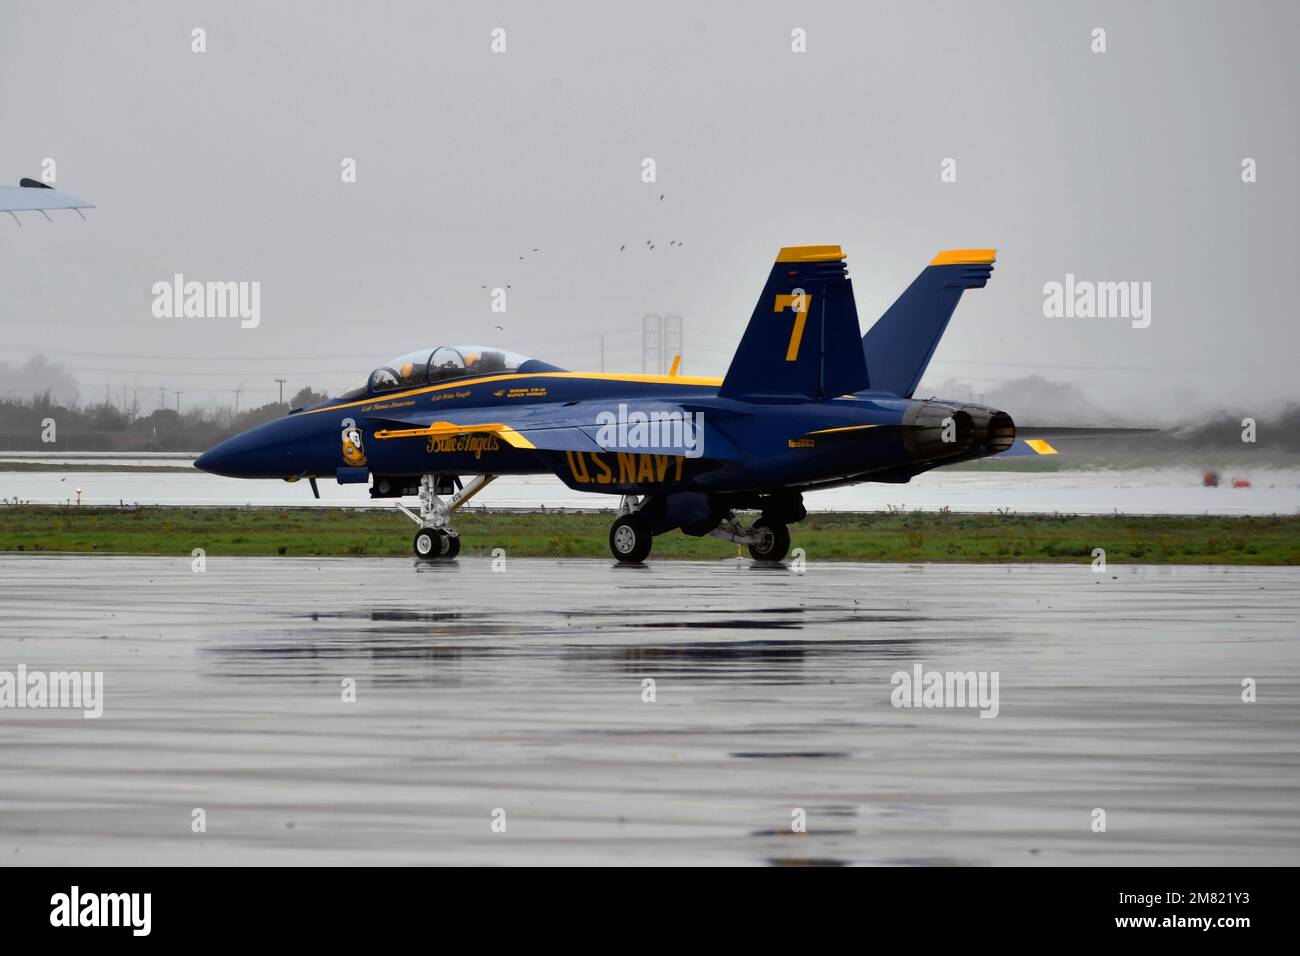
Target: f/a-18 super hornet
[[809, 402]]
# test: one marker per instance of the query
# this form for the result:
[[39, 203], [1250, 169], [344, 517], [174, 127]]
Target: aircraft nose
[[270, 450], [222, 459]]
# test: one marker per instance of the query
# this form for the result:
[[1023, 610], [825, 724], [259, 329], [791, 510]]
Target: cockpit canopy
[[446, 362]]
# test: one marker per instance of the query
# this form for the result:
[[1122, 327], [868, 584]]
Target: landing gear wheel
[[630, 539], [775, 545], [430, 543], [453, 546]]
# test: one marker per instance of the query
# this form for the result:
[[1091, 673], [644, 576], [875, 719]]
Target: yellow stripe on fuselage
[[1040, 446], [447, 429], [693, 380], [842, 428]]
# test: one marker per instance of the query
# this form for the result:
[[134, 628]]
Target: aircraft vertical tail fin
[[802, 342], [899, 346]]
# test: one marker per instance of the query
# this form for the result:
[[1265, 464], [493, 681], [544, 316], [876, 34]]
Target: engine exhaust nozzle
[[933, 431], [995, 432]]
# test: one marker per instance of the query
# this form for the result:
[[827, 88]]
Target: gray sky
[[225, 165]]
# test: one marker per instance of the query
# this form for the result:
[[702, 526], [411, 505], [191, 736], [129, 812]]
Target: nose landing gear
[[436, 540], [431, 543]]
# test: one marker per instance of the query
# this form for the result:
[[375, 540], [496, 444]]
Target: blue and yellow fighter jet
[[808, 402]]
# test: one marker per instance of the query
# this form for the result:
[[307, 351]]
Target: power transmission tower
[[661, 339], [178, 403], [652, 338], [281, 381], [672, 340]]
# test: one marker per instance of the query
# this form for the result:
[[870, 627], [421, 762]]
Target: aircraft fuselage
[[861, 435]]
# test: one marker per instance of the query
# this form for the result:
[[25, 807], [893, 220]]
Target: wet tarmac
[[521, 690]]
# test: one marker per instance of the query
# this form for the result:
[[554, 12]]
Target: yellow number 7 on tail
[[799, 301]]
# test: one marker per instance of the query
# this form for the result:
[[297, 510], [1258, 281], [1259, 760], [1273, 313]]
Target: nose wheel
[[431, 543], [435, 540]]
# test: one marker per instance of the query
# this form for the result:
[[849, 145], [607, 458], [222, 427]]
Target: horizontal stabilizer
[[1057, 440], [1030, 447], [1071, 433]]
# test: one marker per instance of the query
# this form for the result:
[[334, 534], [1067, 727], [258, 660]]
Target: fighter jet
[[809, 402], [31, 195]]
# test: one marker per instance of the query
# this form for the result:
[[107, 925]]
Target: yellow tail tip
[[810, 254], [965, 257]]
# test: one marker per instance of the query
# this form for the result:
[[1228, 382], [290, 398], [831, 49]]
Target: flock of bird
[[650, 245]]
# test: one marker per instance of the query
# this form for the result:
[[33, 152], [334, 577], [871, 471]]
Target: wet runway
[[522, 691]]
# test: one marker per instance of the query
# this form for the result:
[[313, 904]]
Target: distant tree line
[[109, 427]]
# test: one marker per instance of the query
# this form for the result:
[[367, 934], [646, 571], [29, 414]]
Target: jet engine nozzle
[[933, 431], [994, 429]]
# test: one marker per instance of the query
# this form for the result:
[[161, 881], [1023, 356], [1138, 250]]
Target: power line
[[33, 352], [170, 370]]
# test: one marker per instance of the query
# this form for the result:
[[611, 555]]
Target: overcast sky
[[225, 165]]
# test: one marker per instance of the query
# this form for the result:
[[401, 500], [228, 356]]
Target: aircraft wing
[[572, 427], [32, 196]]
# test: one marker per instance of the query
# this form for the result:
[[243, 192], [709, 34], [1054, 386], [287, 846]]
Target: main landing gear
[[632, 534], [768, 539], [436, 540], [630, 537]]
